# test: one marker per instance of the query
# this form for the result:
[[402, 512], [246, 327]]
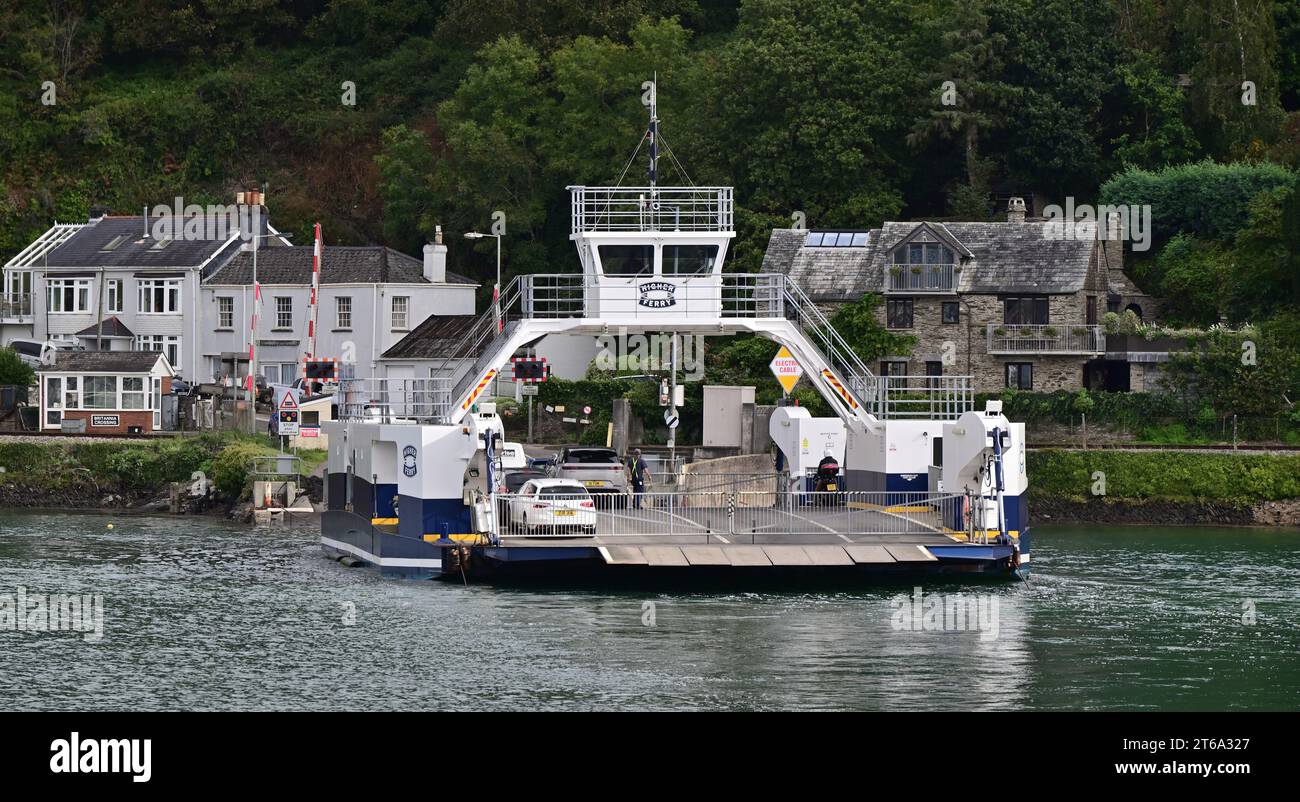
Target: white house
[[113, 284], [370, 298]]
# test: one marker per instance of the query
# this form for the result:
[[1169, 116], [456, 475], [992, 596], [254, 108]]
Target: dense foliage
[[1176, 476], [13, 370], [464, 107]]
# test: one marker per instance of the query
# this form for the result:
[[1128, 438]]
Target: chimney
[[1016, 210], [435, 259], [252, 216]]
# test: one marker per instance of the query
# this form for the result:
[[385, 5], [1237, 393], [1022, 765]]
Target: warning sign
[[786, 369], [290, 399]]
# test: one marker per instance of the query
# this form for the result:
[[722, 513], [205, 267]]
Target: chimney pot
[[1016, 210]]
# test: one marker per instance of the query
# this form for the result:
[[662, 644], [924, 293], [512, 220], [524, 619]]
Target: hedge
[[1164, 475]]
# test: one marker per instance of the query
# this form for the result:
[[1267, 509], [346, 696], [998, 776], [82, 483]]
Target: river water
[[200, 614]]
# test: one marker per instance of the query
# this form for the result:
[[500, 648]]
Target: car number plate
[[595, 483], [564, 512]]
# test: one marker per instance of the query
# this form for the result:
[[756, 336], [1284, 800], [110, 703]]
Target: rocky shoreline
[[1049, 510]]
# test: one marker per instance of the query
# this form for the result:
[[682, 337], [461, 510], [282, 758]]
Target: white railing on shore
[[596, 209], [1054, 338], [725, 516]]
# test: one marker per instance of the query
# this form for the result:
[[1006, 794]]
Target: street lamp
[[252, 352], [496, 288]]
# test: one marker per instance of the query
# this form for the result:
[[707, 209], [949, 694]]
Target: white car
[[552, 506]]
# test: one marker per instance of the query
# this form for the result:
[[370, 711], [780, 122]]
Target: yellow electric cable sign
[[786, 369]]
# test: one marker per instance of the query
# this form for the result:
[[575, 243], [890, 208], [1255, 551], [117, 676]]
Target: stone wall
[[967, 344]]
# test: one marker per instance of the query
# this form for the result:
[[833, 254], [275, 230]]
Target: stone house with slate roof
[[1012, 304], [371, 297]]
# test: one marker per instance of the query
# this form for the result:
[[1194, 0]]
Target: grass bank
[[1174, 487], [83, 473]]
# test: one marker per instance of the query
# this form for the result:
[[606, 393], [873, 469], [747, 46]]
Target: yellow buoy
[[110, 526]]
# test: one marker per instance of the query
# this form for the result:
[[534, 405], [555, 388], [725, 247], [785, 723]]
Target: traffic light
[[530, 369], [321, 370]]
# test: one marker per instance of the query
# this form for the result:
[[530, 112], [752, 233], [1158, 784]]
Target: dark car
[[598, 469], [513, 480]]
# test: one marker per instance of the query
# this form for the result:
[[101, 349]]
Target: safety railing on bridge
[[596, 209], [730, 517], [930, 397], [395, 400], [840, 355]]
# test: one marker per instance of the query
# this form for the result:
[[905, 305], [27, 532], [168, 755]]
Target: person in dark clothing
[[637, 467]]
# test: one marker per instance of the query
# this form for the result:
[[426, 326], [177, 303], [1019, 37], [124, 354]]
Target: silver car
[[598, 469]]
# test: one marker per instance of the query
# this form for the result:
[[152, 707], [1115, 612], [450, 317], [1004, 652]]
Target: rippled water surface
[[200, 614]]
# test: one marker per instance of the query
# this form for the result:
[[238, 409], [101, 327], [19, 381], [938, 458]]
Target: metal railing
[[597, 209], [749, 517], [839, 355], [922, 278], [1056, 338], [15, 305], [930, 397], [395, 400], [729, 295]]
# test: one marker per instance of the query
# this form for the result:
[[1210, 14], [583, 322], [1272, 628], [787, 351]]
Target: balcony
[[16, 308], [916, 279], [1058, 338]]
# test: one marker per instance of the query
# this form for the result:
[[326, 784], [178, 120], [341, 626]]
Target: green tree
[[859, 324], [970, 99], [14, 371], [1234, 41], [492, 161], [405, 165], [1152, 132]]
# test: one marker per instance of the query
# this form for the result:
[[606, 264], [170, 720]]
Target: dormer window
[[923, 253]]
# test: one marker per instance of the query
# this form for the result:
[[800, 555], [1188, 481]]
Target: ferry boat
[[930, 484]]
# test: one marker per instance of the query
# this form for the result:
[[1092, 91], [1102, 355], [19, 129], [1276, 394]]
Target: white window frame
[[116, 402], [162, 342], [171, 304], [401, 320], [225, 312], [124, 393], [113, 293], [56, 287], [343, 317], [283, 309]]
